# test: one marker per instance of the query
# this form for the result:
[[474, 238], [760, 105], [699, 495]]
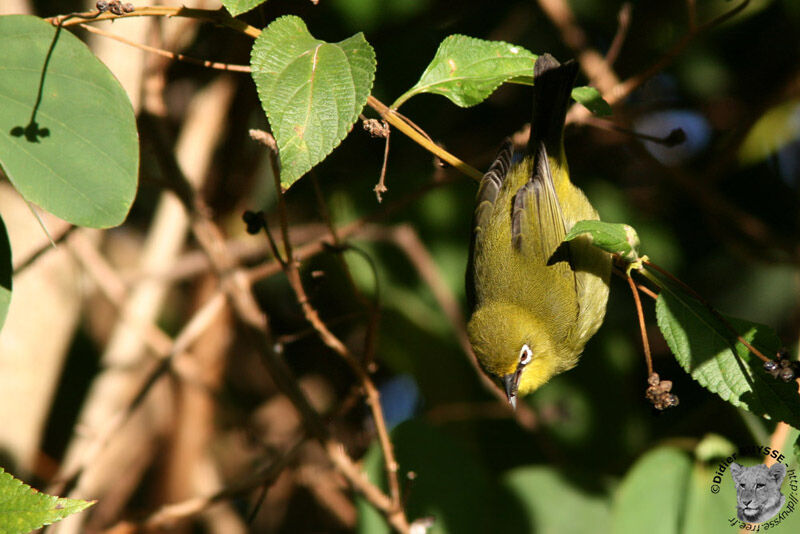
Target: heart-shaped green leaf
[[23, 509], [68, 139], [311, 90]]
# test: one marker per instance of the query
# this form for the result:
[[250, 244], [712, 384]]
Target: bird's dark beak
[[510, 383]]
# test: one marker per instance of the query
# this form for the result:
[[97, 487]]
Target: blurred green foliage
[[598, 459]]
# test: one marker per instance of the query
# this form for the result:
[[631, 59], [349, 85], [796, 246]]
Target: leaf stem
[[642, 327], [395, 120]]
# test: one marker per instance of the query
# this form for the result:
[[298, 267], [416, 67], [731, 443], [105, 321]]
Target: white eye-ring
[[525, 355]]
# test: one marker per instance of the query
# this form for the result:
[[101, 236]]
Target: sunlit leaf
[[311, 90], [237, 7], [616, 238], [467, 70], [72, 148], [23, 509], [711, 354]]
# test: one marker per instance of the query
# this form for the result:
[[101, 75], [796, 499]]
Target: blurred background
[[719, 210]]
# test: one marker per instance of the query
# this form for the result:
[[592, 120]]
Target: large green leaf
[[23, 509], [563, 508], [652, 497], [311, 90], [6, 269], [467, 70], [707, 349], [237, 7], [68, 139]]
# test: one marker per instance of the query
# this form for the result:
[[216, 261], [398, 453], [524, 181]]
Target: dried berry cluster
[[784, 368], [658, 393], [115, 6]]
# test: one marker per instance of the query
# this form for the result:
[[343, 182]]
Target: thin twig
[[592, 63], [392, 118], [642, 326], [264, 476], [292, 272], [217, 16], [624, 23], [622, 89], [374, 310], [381, 188], [167, 54], [58, 236]]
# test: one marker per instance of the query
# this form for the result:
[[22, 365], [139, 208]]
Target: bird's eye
[[525, 355]]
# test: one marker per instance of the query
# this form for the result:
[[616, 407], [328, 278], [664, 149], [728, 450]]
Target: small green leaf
[[711, 354], [311, 91], [237, 7], [616, 238], [590, 98], [652, 497], [467, 70], [23, 509], [68, 138], [6, 269]]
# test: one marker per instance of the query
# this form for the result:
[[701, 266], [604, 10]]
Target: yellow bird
[[535, 300]]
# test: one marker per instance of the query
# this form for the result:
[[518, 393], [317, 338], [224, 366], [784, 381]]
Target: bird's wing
[[488, 191], [538, 226]]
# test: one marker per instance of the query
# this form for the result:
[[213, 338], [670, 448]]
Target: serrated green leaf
[[616, 238], [237, 7], [467, 70], [590, 98], [23, 509], [6, 269], [652, 497], [710, 353], [78, 155], [311, 91]]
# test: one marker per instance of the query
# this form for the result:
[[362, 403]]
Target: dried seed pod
[[786, 374]]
